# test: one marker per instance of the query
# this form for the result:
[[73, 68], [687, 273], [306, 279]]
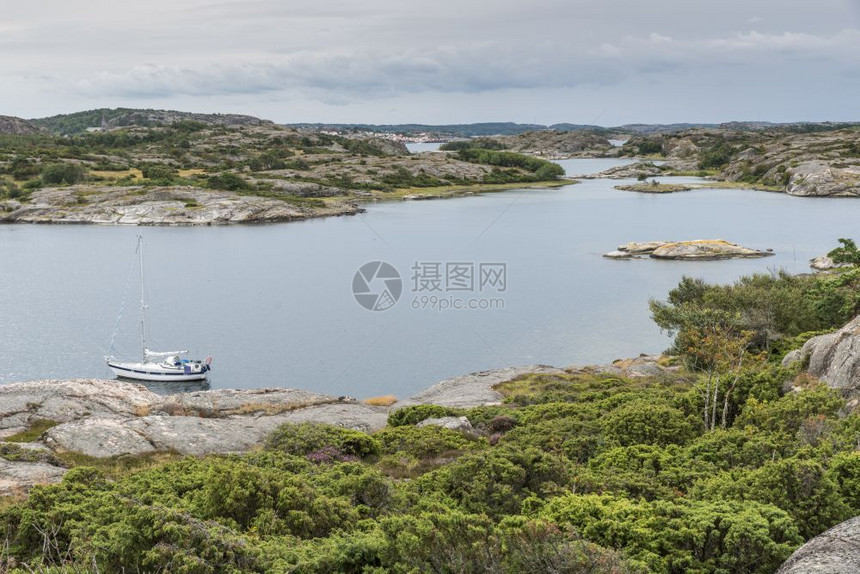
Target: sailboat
[[168, 366]]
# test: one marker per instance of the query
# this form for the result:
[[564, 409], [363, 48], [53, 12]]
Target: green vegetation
[[542, 169], [712, 468], [32, 432], [716, 156], [583, 472], [846, 253], [63, 173], [148, 149], [474, 143], [775, 309]]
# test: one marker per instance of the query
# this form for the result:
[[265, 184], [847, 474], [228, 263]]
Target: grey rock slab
[[475, 389], [19, 477], [22, 403], [199, 436], [98, 437], [249, 401], [706, 250], [356, 416], [835, 358], [836, 551]]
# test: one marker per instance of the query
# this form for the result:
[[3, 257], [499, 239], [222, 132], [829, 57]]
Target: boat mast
[[142, 297]]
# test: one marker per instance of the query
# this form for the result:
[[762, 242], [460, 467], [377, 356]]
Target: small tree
[[719, 352], [847, 253]]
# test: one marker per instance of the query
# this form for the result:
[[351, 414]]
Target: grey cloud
[[470, 68], [385, 55]]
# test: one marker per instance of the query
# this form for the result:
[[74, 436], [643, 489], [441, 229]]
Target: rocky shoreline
[[110, 418]]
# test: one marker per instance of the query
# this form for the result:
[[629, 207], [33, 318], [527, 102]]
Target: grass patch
[[14, 453], [133, 173], [36, 429], [383, 401]]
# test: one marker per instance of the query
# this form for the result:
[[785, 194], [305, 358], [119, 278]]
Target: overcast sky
[[442, 61]]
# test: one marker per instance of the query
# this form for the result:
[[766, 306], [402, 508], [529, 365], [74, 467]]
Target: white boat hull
[[153, 372]]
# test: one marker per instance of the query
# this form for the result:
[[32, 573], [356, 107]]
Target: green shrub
[[60, 173], [159, 172], [422, 442], [800, 487], [497, 481], [788, 413], [474, 143], [308, 438], [228, 181], [646, 422], [682, 535]]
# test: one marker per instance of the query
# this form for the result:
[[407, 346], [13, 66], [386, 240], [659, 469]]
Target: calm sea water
[[274, 304]]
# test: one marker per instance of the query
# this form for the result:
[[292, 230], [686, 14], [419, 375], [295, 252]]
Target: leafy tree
[[846, 253]]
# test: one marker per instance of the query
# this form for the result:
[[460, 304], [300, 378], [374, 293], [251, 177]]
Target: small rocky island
[[695, 250], [654, 186]]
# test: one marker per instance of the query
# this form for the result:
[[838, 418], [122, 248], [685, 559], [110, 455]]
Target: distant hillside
[[69, 124], [17, 126], [452, 130]]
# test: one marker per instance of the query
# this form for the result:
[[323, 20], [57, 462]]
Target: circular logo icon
[[377, 286]]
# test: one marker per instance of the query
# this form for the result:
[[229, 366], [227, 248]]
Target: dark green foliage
[[800, 487], [402, 177], [772, 306], [502, 159], [682, 536], [362, 147], [22, 168], [717, 156], [9, 190], [60, 173], [421, 442], [497, 481], [474, 143], [309, 438], [228, 181], [846, 253], [161, 173], [650, 147], [788, 414], [647, 422]]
